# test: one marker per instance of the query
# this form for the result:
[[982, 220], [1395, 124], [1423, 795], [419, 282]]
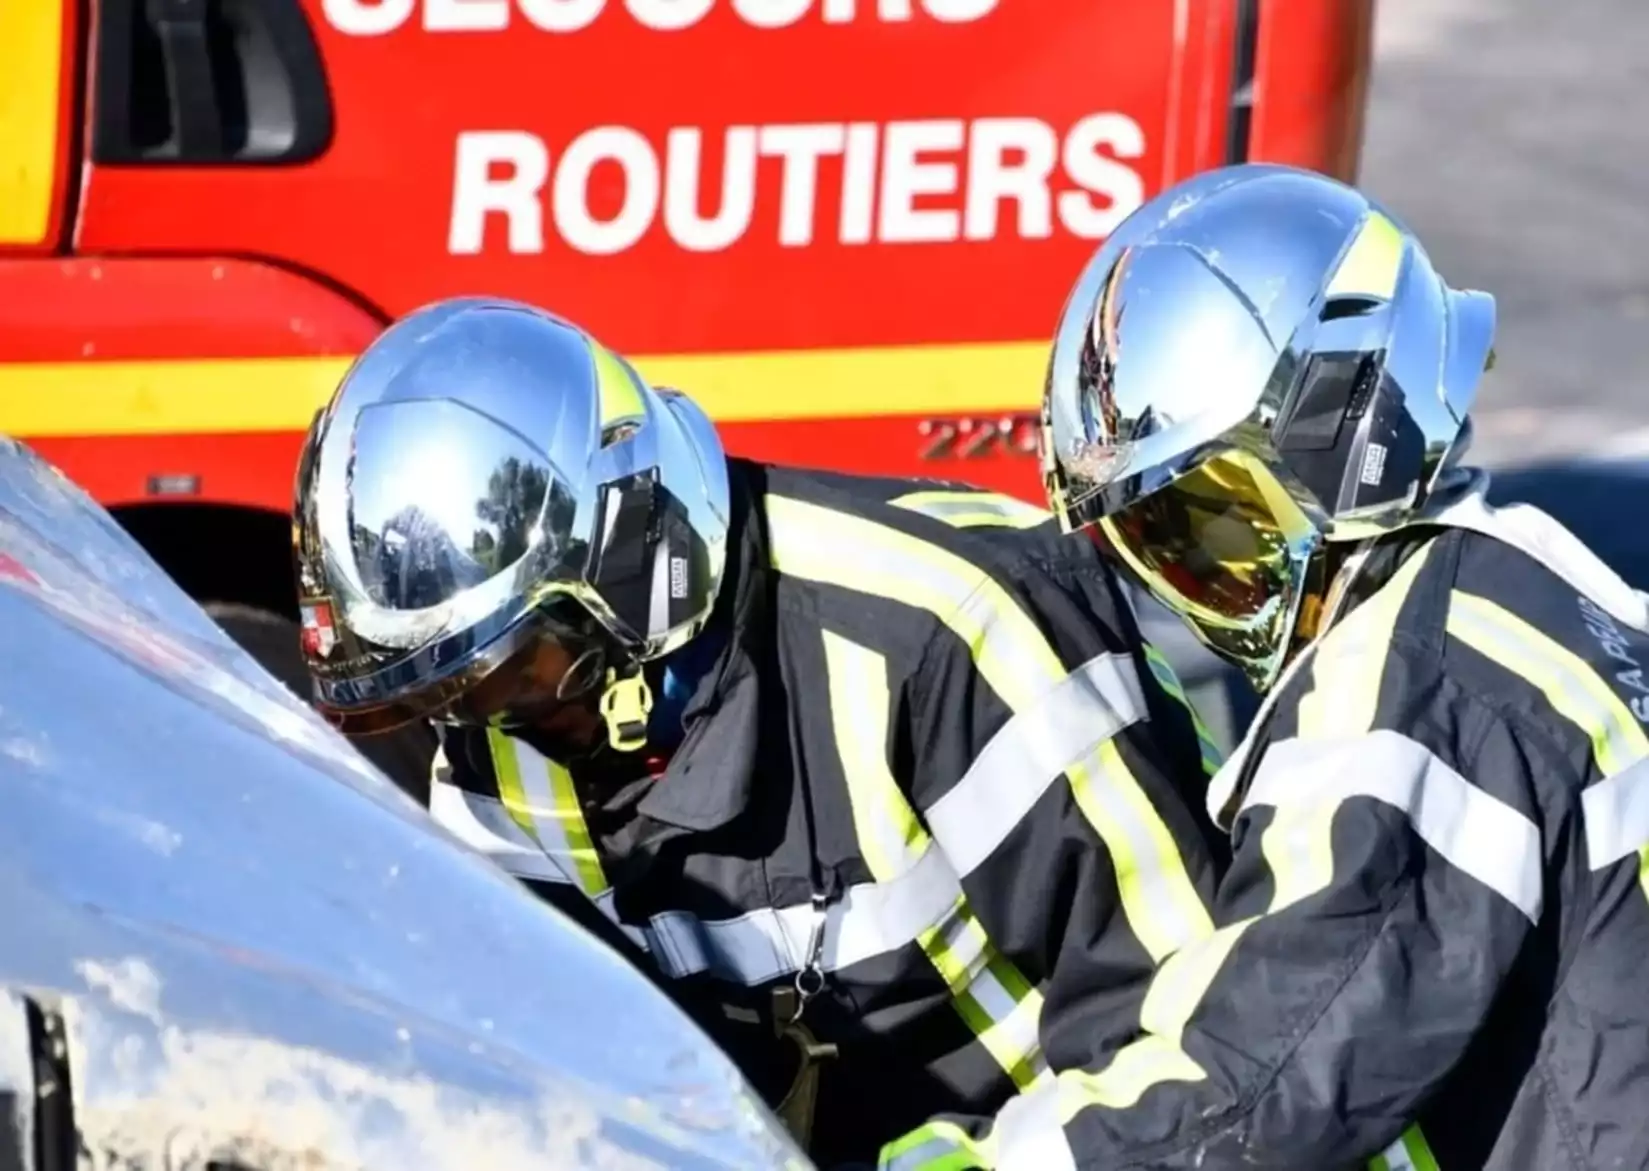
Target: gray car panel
[[239, 942]]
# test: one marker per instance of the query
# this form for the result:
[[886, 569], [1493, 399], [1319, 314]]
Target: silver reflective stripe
[[1016, 1026], [1410, 1152], [1475, 832], [1616, 811], [539, 797], [871, 919], [1029, 753], [1029, 1135], [483, 824], [892, 840], [923, 1157]]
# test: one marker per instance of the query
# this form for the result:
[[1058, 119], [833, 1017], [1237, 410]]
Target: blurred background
[[1513, 135]]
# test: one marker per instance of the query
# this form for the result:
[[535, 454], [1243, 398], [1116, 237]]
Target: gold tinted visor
[[1224, 546]]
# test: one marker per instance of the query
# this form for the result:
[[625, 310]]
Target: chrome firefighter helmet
[[1258, 362], [486, 476]]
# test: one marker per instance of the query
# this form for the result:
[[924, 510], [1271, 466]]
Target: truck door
[[39, 43], [844, 225]]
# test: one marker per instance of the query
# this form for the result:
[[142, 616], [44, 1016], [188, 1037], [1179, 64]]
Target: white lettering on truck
[[895, 183], [374, 18]]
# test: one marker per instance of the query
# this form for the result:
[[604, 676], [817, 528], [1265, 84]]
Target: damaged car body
[[229, 942]]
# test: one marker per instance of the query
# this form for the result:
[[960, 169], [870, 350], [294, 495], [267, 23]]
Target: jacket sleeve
[[1054, 775], [1388, 871]]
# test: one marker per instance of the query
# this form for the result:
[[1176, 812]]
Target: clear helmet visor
[[1226, 548]]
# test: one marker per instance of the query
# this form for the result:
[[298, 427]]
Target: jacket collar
[[1537, 535], [1463, 504], [709, 779]]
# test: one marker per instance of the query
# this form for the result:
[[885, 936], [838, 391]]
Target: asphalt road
[[1513, 135]]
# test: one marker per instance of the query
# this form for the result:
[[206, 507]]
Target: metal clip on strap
[[789, 1004]]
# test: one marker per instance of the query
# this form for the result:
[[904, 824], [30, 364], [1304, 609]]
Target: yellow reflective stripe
[[1150, 1061], [965, 509], [887, 828], [834, 548], [1570, 684], [591, 878], [620, 396], [542, 799], [938, 1146], [1168, 679], [1346, 673], [1117, 808], [1411, 1152], [1297, 846], [31, 54], [1373, 262], [508, 772], [185, 396], [989, 993], [1019, 665]]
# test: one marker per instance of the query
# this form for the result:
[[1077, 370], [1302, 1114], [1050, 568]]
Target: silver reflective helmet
[[485, 476], [1258, 362]]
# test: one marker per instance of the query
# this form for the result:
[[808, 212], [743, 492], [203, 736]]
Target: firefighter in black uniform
[[1429, 949], [865, 772]]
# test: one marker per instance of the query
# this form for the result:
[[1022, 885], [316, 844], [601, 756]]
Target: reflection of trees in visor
[[1211, 539], [416, 562], [515, 496], [1101, 347]]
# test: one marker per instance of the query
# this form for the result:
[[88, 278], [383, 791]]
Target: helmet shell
[[1272, 310], [1260, 361], [482, 463]]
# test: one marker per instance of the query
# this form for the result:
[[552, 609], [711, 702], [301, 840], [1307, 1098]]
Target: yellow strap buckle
[[625, 705]]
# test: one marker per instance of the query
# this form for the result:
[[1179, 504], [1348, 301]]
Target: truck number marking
[[978, 438]]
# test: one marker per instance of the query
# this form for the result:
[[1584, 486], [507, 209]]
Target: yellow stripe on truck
[[31, 53], [216, 396]]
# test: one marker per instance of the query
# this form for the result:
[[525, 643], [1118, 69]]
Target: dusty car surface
[[227, 941]]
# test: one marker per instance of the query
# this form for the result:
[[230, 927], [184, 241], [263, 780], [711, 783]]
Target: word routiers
[[932, 181], [367, 18]]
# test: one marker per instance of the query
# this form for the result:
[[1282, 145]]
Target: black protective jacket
[[934, 771], [1431, 945]]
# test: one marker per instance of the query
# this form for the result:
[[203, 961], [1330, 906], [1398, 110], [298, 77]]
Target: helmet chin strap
[[1336, 598], [1324, 594], [1365, 567], [625, 706], [1333, 589]]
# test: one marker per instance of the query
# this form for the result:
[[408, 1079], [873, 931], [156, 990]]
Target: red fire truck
[[845, 226]]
